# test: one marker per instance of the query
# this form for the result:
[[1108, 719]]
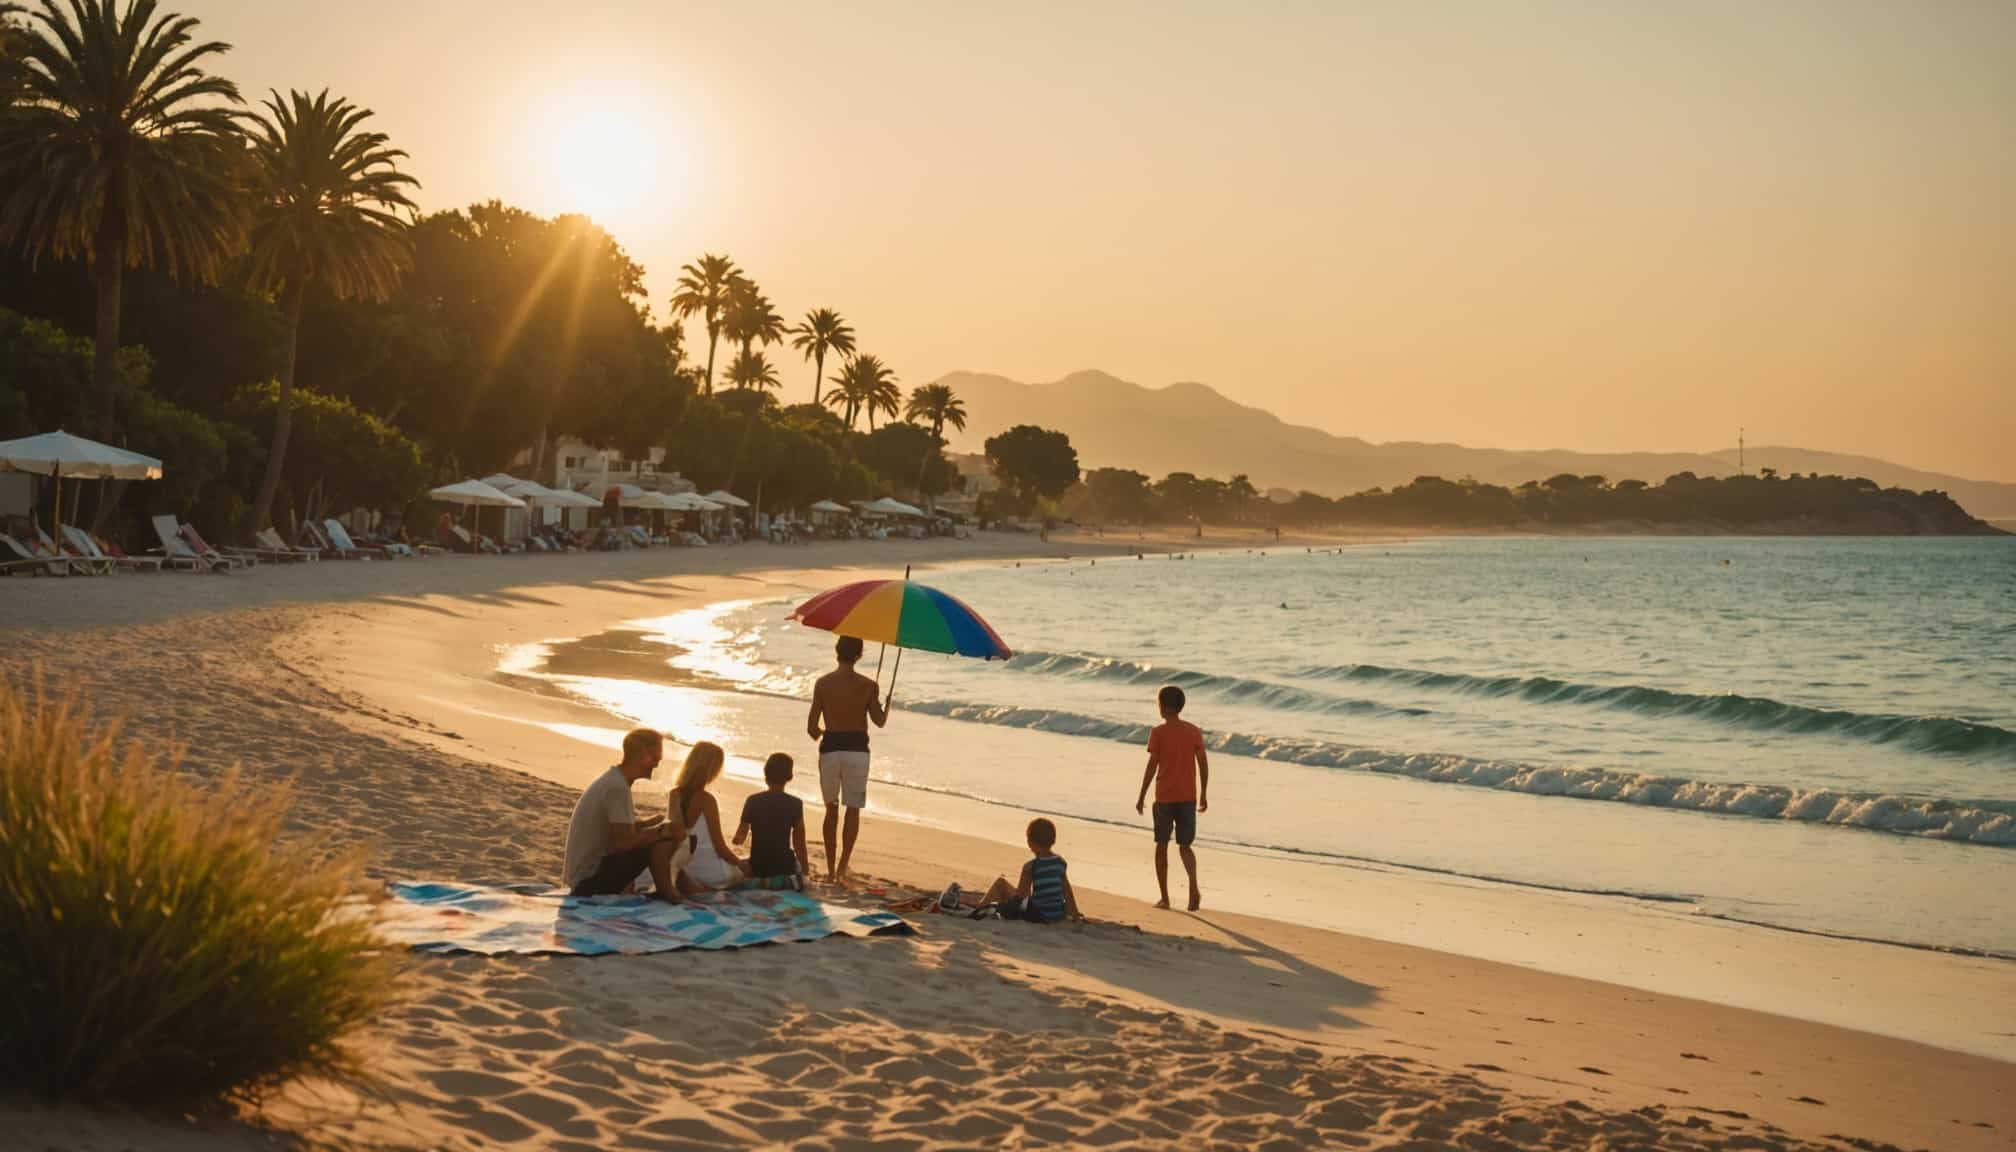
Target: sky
[[1602, 226]]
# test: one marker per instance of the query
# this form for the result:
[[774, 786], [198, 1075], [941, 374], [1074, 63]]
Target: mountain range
[[1191, 427]]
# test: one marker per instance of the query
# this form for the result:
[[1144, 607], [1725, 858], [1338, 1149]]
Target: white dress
[[707, 868]]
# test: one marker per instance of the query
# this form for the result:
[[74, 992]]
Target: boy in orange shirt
[[1181, 773]]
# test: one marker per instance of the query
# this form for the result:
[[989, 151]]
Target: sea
[[1816, 735]]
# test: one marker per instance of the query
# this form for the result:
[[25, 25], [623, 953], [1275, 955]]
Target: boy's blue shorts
[[1179, 816]]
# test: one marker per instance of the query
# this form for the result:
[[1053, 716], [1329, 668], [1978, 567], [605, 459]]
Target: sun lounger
[[269, 547], [84, 544], [339, 539], [270, 541], [178, 552], [80, 562], [197, 545], [16, 557]]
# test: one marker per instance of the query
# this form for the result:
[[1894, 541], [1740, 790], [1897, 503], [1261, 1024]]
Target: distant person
[[607, 846], [1043, 894], [843, 702], [1181, 773], [714, 865], [773, 824]]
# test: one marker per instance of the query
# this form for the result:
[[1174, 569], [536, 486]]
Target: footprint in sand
[[1693, 1056], [1592, 1070]]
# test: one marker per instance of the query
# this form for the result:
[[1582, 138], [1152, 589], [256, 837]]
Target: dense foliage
[[1765, 502], [1032, 464], [274, 256]]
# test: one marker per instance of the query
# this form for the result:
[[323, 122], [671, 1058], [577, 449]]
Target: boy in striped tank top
[[1043, 895]]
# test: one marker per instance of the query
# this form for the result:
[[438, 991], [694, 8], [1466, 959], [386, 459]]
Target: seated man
[[607, 846]]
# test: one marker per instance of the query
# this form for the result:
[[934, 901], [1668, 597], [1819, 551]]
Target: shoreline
[[398, 659]]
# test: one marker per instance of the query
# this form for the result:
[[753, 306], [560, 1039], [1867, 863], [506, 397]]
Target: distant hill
[[1190, 427]]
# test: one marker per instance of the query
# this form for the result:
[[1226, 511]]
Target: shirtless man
[[845, 701]]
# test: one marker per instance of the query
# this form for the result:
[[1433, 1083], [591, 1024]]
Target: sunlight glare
[[605, 161]]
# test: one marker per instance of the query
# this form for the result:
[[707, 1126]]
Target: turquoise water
[[1812, 734]]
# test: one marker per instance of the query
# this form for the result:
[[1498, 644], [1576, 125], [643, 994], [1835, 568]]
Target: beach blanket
[[493, 920]]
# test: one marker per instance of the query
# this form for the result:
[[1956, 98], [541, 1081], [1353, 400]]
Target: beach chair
[[197, 545], [80, 563], [85, 544], [16, 557], [339, 540], [178, 553], [270, 540]]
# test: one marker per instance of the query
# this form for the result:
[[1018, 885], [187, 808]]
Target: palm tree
[[938, 405], [706, 288], [864, 385], [753, 370], [751, 318], [328, 198], [119, 150], [821, 332]]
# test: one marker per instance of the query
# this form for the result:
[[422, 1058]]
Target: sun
[[605, 161]]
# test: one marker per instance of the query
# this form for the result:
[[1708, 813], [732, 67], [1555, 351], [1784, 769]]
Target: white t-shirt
[[606, 802]]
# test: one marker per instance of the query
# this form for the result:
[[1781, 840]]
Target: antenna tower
[[1739, 454]]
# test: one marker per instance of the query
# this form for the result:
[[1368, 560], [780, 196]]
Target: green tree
[[1118, 494], [123, 151], [328, 198], [1033, 462], [347, 455], [822, 331], [707, 287], [902, 454]]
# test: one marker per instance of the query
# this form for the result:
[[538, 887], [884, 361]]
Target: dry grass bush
[[159, 943]]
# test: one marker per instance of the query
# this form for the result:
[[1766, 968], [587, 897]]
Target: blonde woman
[[714, 865]]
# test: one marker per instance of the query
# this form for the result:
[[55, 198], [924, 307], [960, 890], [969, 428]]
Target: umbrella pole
[[56, 511], [890, 697]]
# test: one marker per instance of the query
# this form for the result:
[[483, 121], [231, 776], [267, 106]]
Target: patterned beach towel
[[493, 920]]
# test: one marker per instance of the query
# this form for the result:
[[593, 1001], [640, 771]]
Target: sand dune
[[1218, 1030]]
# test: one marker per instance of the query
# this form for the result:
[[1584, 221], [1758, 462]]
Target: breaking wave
[[1975, 822]]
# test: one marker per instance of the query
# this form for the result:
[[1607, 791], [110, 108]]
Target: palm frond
[[119, 136]]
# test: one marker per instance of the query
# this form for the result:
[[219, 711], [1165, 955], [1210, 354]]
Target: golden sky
[[1600, 226]]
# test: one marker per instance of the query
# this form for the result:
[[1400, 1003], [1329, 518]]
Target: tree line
[[1764, 502], [268, 311]]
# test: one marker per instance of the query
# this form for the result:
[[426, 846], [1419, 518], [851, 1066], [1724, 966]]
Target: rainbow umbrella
[[903, 613]]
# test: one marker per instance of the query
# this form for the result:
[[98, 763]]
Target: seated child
[[1043, 895], [776, 818]]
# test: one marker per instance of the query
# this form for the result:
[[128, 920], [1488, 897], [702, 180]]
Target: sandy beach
[[1446, 1015]]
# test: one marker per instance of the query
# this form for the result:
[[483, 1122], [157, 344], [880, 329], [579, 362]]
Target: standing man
[[608, 848], [843, 702]]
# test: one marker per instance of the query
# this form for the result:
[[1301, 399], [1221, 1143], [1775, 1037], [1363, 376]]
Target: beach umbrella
[[565, 498], [889, 507], [828, 506], [475, 494], [60, 455], [724, 497], [906, 614]]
